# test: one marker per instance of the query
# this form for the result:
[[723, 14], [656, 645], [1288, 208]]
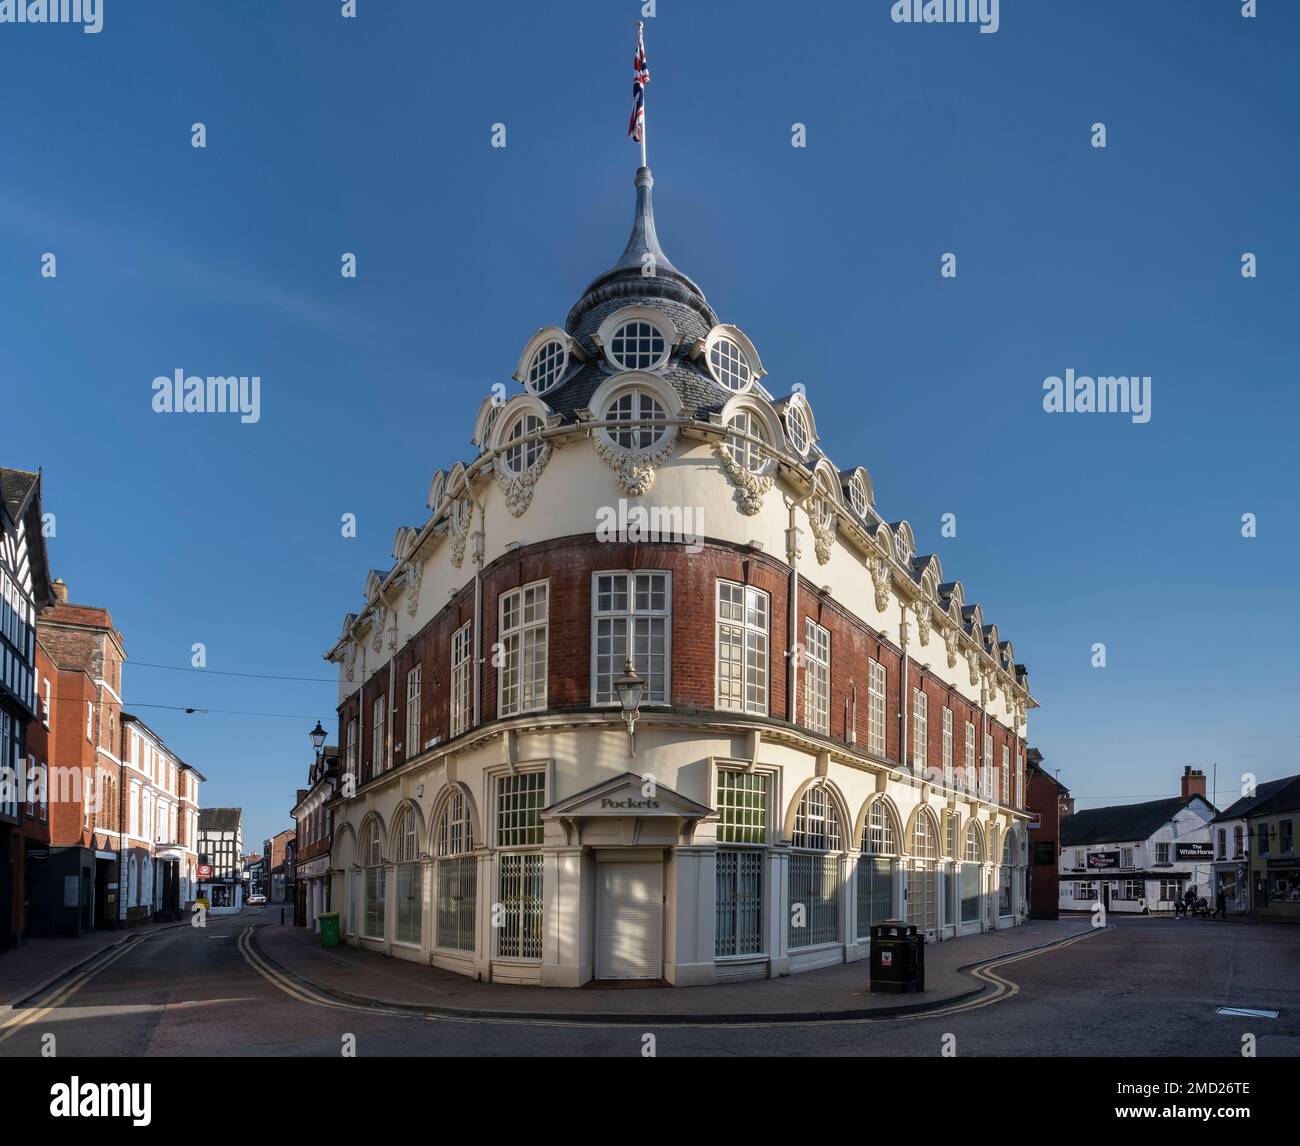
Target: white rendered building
[[828, 733]]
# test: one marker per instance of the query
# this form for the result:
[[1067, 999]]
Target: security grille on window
[[642, 604], [947, 747], [742, 648], [742, 819], [814, 871], [462, 701], [876, 867], [817, 677], [413, 712], [380, 735], [920, 728], [970, 757], [372, 925], [457, 875], [523, 643], [410, 879], [876, 707], [520, 799]]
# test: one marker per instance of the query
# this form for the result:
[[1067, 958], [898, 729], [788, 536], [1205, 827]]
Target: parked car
[[256, 900]]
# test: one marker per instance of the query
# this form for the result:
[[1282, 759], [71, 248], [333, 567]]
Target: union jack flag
[[640, 77]]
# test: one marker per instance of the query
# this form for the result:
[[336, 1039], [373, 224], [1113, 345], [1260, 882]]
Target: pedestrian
[[1189, 901], [1221, 904]]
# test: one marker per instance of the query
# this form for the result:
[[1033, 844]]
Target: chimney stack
[[1193, 782], [60, 591]]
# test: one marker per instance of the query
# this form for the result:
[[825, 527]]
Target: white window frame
[[413, 711], [947, 747], [630, 616], [876, 695], [350, 758], [525, 648], [754, 642], [1004, 793], [986, 780], [1020, 780], [920, 729], [462, 680], [379, 734], [817, 677], [969, 784]]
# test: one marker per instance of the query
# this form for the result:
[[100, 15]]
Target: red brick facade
[[568, 564]]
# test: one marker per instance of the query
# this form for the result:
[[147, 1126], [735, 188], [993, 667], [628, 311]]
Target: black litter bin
[[897, 957]]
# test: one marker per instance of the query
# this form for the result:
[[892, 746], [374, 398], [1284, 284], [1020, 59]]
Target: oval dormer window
[[640, 409], [730, 365], [546, 366], [858, 496], [796, 429], [638, 345]]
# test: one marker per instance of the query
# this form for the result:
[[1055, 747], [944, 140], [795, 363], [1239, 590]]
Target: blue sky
[[372, 135]]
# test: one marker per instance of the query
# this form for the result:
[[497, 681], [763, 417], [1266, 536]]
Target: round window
[[522, 444], [637, 408], [547, 365], [796, 428], [729, 364], [638, 345]]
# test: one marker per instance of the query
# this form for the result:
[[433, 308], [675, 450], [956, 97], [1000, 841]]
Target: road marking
[[1003, 989], [26, 1016], [1248, 1012]]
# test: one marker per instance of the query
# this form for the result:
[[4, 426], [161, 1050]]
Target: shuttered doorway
[[629, 920]]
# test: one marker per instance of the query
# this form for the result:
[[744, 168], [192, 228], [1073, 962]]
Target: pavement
[[359, 976], [27, 969]]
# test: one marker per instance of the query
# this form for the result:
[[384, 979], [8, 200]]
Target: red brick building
[[1049, 802]]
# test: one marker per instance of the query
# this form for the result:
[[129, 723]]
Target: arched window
[[814, 884], [974, 845], [546, 366], [746, 454], [1010, 858], [372, 922], [638, 345], [877, 866], [457, 875], [972, 874], [859, 496], [522, 444], [410, 877], [133, 882], [636, 406], [922, 897], [824, 503]]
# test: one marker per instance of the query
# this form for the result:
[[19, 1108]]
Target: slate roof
[[1273, 796], [1120, 823], [16, 487], [219, 819]]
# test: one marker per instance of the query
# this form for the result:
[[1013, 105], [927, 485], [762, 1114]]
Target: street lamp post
[[318, 735], [629, 688]]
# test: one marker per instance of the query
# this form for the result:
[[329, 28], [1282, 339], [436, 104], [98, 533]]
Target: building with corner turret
[[828, 731]]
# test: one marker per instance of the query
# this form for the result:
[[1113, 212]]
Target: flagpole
[[640, 39]]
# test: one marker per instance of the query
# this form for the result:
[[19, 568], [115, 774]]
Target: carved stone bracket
[[377, 628], [414, 574], [459, 531], [350, 661], [879, 567], [750, 487], [518, 488], [950, 640], [635, 471], [823, 536], [923, 619], [973, 659]]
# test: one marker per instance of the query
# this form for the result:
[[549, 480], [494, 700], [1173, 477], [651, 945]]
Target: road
[[1149, 987]]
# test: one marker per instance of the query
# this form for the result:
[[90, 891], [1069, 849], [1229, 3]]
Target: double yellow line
[[25, 1016]]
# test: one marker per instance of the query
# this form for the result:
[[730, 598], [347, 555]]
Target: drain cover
[[1248, 1012]]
